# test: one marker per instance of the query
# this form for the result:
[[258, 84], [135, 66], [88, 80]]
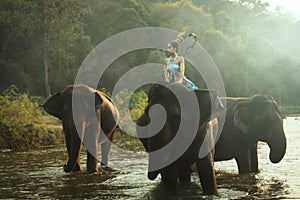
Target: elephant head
[[260, 119], [208, 102], [173, 158], [57, 104], [81, 120]]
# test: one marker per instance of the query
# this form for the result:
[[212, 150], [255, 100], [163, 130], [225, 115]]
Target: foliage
[[105, 91], [41, 36], [131, 106], [17, 108], [111, 17], [180, 14], [255, 49], [19, 123]]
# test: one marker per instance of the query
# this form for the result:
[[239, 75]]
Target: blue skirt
[[189, 84]]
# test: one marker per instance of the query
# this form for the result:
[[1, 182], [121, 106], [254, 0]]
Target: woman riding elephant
[[179, 140], [89, 117], [174, 66]]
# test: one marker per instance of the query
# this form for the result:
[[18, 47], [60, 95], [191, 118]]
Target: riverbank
[[50, 133], [290, 111], [293, 115], [22, 137], [24, 125]]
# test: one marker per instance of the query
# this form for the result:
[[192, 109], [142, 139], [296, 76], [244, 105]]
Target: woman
[[174, 66]]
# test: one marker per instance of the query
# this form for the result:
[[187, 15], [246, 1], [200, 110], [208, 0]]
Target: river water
[[39, 174]]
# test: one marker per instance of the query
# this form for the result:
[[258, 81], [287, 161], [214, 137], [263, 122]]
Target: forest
[[44, 42]]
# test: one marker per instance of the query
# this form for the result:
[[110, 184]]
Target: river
[[38, 174]]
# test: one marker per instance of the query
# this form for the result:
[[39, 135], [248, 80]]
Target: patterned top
[[173, 68], [174, 74]]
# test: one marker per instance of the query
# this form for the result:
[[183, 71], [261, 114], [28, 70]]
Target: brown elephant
[[176, 114], [87, 117], [249, 120]]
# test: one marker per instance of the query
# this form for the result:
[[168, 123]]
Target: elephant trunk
[[152, 175], [277, 148]]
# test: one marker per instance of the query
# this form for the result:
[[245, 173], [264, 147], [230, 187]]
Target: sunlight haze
[[292, 6]]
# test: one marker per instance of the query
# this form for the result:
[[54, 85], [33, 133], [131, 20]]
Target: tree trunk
[[45, 54], [46, 68]]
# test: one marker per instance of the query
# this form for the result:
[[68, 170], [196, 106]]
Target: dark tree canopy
[[44, 42]]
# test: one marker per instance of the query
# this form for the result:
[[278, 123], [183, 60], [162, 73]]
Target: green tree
[[60, 26], [180, 14], [223, 23], [111, 17], [42, 33]]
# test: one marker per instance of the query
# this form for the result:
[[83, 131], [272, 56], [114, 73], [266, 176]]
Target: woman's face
[[171, 50]]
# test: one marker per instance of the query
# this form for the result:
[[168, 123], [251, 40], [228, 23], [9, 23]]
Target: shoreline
[[293, 115]]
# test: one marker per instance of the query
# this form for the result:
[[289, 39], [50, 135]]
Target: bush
[[131, 106], [19, 122], [24, 125], [135, 102]]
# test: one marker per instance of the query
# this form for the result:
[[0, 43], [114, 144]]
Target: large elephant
[[249, 120], [175, 115], [83, 122]]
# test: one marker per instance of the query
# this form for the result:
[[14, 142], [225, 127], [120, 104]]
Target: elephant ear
[[241, 112], [54, 106], [204, 104], [217, 105], [274, 103], [208, 102], [98, 100]]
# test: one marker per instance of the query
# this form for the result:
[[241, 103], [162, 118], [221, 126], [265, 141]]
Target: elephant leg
[[77, 166], [73, 143], [91, 144], [254, 159], [206, 171], [92, 163], [105, 148], [184, 173], [169, 176], [243, 161], [74, 150]]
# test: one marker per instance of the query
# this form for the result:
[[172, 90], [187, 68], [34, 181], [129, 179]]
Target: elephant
[[88, 123], [179, 169], [249, 120]]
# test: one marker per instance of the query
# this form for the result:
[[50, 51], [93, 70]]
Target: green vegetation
[[136, 103], [43, 44], [22, 124]]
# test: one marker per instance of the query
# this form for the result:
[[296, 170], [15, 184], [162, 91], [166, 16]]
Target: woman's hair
[[182, 36], [174, 44]]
